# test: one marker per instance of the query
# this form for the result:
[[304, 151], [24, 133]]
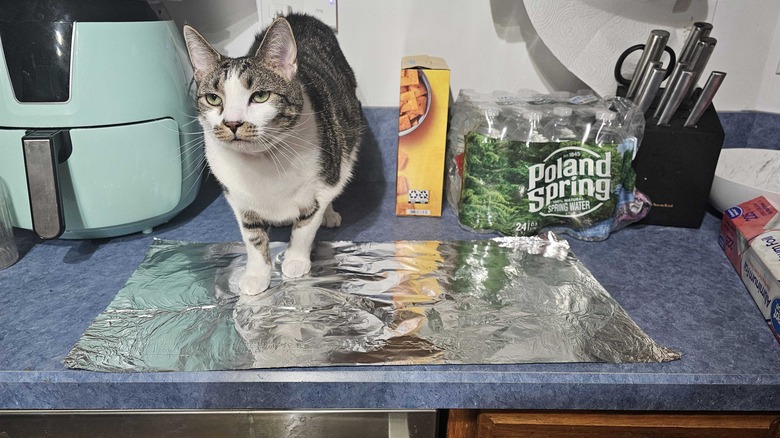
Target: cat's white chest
[[276, 184]]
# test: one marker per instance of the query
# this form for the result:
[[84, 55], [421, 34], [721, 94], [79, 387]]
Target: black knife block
[[675, 166]]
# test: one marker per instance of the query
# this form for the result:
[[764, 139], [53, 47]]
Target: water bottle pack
[[521, 163]]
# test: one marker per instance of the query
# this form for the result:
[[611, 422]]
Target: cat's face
[[248, 103]]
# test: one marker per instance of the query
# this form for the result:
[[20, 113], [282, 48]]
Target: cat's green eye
[[261, 96], [213, 100]]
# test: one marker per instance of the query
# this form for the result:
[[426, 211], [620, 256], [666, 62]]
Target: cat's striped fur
[[282, 127]]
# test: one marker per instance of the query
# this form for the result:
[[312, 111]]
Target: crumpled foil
[[497, 301]]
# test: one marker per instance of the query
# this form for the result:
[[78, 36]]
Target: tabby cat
[[282, 127]]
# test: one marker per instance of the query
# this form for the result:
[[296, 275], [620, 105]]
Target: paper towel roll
[[588, 36]]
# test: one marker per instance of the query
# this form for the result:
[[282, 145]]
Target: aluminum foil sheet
[[497, 301]]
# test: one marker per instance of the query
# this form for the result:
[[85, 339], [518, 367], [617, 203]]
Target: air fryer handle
[[43, 151]]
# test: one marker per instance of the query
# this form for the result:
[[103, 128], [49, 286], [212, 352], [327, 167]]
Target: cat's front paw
[[331, 219], [295, 268], [250, 284]]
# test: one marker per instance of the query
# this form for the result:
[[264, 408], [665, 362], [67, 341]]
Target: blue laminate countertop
[[676, 284]]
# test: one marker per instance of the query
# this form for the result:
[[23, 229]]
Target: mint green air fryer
[[98, 132]]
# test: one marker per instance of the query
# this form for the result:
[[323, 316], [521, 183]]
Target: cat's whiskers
[[200, 168], [192, 166], [281, 147], [281, 134], [310, 146], [187, 149], [191, 147], [290, 150], [290, 159], [277, 162], [180, 131], [191, 122], [269, 150], [279, 142], [194, 143], [302, 141], [291, 154]]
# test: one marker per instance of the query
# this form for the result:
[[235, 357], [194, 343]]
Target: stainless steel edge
[[356, 423]]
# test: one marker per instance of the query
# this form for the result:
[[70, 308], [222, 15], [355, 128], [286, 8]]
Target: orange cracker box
[[422, 135]]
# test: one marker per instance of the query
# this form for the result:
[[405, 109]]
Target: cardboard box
[[422, 135], [750, 237]]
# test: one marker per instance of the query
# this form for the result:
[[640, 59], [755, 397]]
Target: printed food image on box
[[414, 99], [422, 134]]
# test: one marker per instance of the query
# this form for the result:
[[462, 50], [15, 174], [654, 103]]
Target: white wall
[[491, 44], [769, 93], [748, 51]]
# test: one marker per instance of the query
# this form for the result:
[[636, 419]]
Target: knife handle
[[654, 48], [678, 69], [678, 95], [699, 30], [646, 94], [705, 98], [701, 56]]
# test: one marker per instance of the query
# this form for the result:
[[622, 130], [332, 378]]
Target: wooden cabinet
[[586, 424]]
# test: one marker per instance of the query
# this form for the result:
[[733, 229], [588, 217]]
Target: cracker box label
[[422, 135]]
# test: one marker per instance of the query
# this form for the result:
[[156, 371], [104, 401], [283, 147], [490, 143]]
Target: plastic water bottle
[[530, 129], [606, 130], [560, 127], [490, 125], [560, 96]]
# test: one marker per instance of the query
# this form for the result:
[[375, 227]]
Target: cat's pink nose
[[233, 126]]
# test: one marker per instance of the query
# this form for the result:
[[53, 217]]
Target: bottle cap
[[605, 115], [532, 115], [490, 111]]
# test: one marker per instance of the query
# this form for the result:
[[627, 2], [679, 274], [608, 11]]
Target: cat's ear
[[279, 50], [202, 56]]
